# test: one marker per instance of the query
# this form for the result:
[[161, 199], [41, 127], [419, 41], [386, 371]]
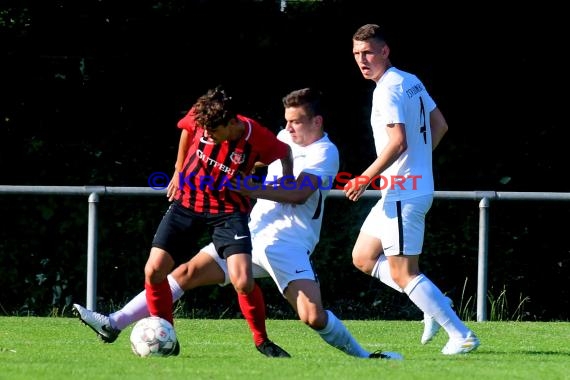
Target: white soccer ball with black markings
[[153, 336]]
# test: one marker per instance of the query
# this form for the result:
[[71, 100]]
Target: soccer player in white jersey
[[407, 126], [285, 226]]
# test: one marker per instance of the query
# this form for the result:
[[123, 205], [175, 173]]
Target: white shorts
[[400, 225], [280, 262]]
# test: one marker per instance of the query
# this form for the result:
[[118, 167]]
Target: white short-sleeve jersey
[[297, 225], [400, 97]]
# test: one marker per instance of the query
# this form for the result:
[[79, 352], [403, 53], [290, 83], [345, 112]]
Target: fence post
[[484, 204], [91, 297]]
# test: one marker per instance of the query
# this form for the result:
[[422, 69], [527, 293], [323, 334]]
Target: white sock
[[136, 308], [381, 271], [429, 299], [337, 335]]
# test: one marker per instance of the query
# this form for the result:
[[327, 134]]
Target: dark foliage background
[[91, 92]]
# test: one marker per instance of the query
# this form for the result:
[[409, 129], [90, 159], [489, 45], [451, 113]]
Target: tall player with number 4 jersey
[[407, 125]]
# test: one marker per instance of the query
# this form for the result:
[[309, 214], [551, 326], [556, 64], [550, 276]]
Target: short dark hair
[[308, 98], [213, 109], [370, 31]]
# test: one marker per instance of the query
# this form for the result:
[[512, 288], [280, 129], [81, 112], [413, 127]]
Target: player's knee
[[403, 274], [242, 285], [357, 262], [151, 272], [314, 317], [158, 265], [402, 279], [363, 264], [183, 276]]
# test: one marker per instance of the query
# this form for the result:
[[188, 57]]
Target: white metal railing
[[95, 192]]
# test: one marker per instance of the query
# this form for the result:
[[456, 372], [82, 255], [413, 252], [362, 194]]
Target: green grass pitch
[[63, 348]]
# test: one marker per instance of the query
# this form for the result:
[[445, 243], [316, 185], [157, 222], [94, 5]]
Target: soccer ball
[[153, 336]]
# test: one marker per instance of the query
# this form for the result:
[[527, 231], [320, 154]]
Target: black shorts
[[181, 229]]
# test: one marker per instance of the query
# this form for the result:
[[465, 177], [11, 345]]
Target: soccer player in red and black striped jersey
[[216, 146]]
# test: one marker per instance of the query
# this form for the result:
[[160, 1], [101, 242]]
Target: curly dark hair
[[213, 109]]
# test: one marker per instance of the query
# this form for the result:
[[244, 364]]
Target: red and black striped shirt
[[208, 167]]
